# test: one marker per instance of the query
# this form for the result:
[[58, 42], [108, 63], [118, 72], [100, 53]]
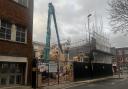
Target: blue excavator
[[51, 12]]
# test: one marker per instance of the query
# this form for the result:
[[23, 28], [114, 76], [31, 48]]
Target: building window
[[18, 79], [4, 68], [0, 67], [10, 33], [12, 68], [20, 34], [22, 2], [125, 51], [3, 81], [12, 79], [5, 30]]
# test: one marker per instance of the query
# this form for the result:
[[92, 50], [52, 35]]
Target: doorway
[[10, 73]]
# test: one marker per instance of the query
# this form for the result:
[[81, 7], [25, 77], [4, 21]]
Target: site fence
[[54, 72]]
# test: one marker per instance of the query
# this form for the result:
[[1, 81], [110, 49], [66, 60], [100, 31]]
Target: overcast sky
[[71, 18]]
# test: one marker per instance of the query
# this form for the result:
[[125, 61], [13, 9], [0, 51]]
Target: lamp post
[[89, 31], [90, 54], [89, 35]]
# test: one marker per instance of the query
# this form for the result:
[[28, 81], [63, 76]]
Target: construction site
[[68, 60], [63, 44]]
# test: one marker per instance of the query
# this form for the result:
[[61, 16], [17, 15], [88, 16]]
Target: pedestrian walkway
[[73, 84], [124, 76], [69, 84]]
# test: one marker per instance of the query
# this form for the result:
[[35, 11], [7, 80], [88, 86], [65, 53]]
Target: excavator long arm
[[58, 38], [51, 12]]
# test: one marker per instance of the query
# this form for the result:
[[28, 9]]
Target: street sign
[[42, 66], [52, 67]]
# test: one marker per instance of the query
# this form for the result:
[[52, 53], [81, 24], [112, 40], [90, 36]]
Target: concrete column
[[13, 34], [26, 73]]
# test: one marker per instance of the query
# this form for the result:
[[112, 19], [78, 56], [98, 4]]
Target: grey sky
[[72, 18]]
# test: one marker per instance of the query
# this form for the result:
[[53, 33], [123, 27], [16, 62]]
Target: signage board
[[52, 67]]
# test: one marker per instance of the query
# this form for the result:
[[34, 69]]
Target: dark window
[[4, 68], [12, 68], [3, 81], [20, 34], [5, 30], [18, 68], [18, 79], [12, 79], [0, 67]]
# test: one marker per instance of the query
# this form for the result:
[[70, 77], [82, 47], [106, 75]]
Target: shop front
[[13, 71]]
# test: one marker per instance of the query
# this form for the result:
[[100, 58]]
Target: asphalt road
[[106, 84]]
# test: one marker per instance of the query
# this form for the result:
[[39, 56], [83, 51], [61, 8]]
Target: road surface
[[106, 84]]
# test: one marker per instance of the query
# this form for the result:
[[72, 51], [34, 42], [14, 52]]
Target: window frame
[[6, 29], [11, 33], [20, 33]]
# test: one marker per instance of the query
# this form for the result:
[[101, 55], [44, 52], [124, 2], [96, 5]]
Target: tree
[[119, 15]]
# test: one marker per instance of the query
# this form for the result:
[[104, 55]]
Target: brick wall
[[18, 14], [14, 12]]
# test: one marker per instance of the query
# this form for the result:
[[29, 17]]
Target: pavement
[[80, 83], [71, 84], [115, 83]]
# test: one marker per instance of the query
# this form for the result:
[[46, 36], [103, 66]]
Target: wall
[[18, 14]]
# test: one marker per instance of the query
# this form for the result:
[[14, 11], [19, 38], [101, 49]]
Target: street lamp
[[89, 36], [90, 54], [89, 31]]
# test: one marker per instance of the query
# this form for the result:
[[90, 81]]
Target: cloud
[[119, 40], [71, 18]]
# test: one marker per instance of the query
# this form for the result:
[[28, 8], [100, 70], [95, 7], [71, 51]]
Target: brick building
[[16, 21], [122, 57]]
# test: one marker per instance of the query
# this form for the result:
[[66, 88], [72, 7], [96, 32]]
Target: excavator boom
[[51, 12]]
